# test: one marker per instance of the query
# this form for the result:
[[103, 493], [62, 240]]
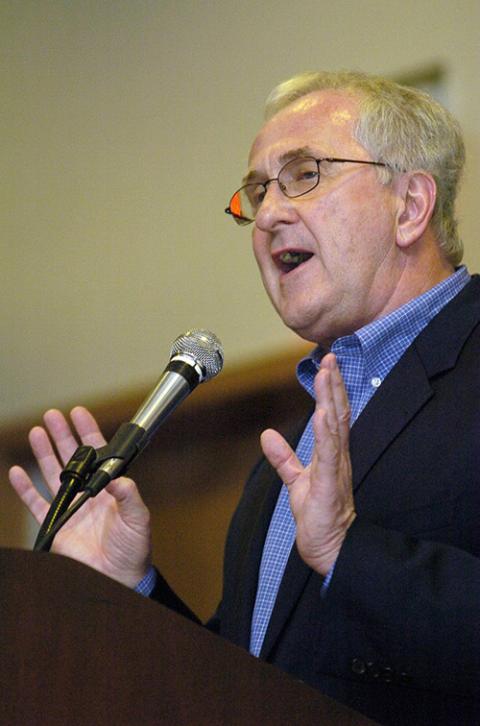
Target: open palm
[[109, 533]]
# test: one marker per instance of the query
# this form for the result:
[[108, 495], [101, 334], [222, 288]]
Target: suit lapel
[[403, 393], [267, 487], [295, 578], [245, 592], [387, 413], [407, 387]]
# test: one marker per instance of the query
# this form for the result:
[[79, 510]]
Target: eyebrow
[[253, 175]]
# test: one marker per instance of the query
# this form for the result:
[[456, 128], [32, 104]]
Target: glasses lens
[[244, 203], [299, 176]]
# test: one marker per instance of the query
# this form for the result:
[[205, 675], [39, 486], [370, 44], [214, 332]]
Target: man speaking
[[352, 559]]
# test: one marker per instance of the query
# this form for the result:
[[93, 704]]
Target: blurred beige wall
[[125, 125]]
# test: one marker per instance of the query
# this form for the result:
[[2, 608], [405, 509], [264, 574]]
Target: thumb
[[281, 456], [131, 507]]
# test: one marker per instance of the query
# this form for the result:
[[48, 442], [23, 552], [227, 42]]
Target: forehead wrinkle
[[253, 175]]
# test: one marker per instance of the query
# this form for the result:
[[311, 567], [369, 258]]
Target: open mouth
[[291, 259]]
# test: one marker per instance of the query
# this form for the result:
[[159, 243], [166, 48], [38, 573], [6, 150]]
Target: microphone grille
[[204, 347]]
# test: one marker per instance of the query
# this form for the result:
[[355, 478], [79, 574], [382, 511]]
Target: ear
[[419, 193]]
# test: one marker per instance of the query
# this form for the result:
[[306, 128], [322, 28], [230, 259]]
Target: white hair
[[402, 127]]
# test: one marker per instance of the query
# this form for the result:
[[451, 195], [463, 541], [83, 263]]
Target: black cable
[[73, 480], [44, 544]]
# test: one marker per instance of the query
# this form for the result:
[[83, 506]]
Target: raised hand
[[321, 496], [111, 532]]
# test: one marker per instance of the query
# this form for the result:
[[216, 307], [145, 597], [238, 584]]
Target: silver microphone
[[195, 357]]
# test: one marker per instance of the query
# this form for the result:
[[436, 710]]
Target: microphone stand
[[73, 480], [44, 542], [88, 472]]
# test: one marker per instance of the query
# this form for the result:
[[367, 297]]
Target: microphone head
[[205, 349]]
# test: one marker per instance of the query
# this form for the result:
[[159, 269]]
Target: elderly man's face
[[344, 231]]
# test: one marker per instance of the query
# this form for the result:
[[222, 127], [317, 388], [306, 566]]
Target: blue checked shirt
[[365, 359]]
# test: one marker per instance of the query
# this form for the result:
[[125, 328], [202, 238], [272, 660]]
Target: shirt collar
[[382, 342]]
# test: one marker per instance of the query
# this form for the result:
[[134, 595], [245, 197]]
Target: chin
[[308, 333], [320, 332]]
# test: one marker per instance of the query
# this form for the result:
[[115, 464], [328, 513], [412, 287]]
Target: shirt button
[[376, 381], [358, 666], [387, 674]]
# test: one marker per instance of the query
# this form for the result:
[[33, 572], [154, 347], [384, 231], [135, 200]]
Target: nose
[[275, 208]]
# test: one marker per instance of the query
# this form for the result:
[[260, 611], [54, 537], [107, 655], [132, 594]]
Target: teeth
[[294, 258]]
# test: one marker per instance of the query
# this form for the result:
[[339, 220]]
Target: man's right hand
[[111, 532]]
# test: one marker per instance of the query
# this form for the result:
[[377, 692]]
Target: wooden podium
[[79, 649]]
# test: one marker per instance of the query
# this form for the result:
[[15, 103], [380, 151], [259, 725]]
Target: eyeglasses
[[296, 178]]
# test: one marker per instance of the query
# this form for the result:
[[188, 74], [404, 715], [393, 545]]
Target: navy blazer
[[397, 635]]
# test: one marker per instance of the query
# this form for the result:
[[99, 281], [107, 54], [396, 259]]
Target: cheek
[[335, 234], [260, 247], [360, 231]]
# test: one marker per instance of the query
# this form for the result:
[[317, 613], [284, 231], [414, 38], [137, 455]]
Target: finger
[[61, 434], [131, 506], [281, 456], [324, 399], [330, 467], [25, 489], [87, 427], [326, 456], [339, 397], [46, 457]]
